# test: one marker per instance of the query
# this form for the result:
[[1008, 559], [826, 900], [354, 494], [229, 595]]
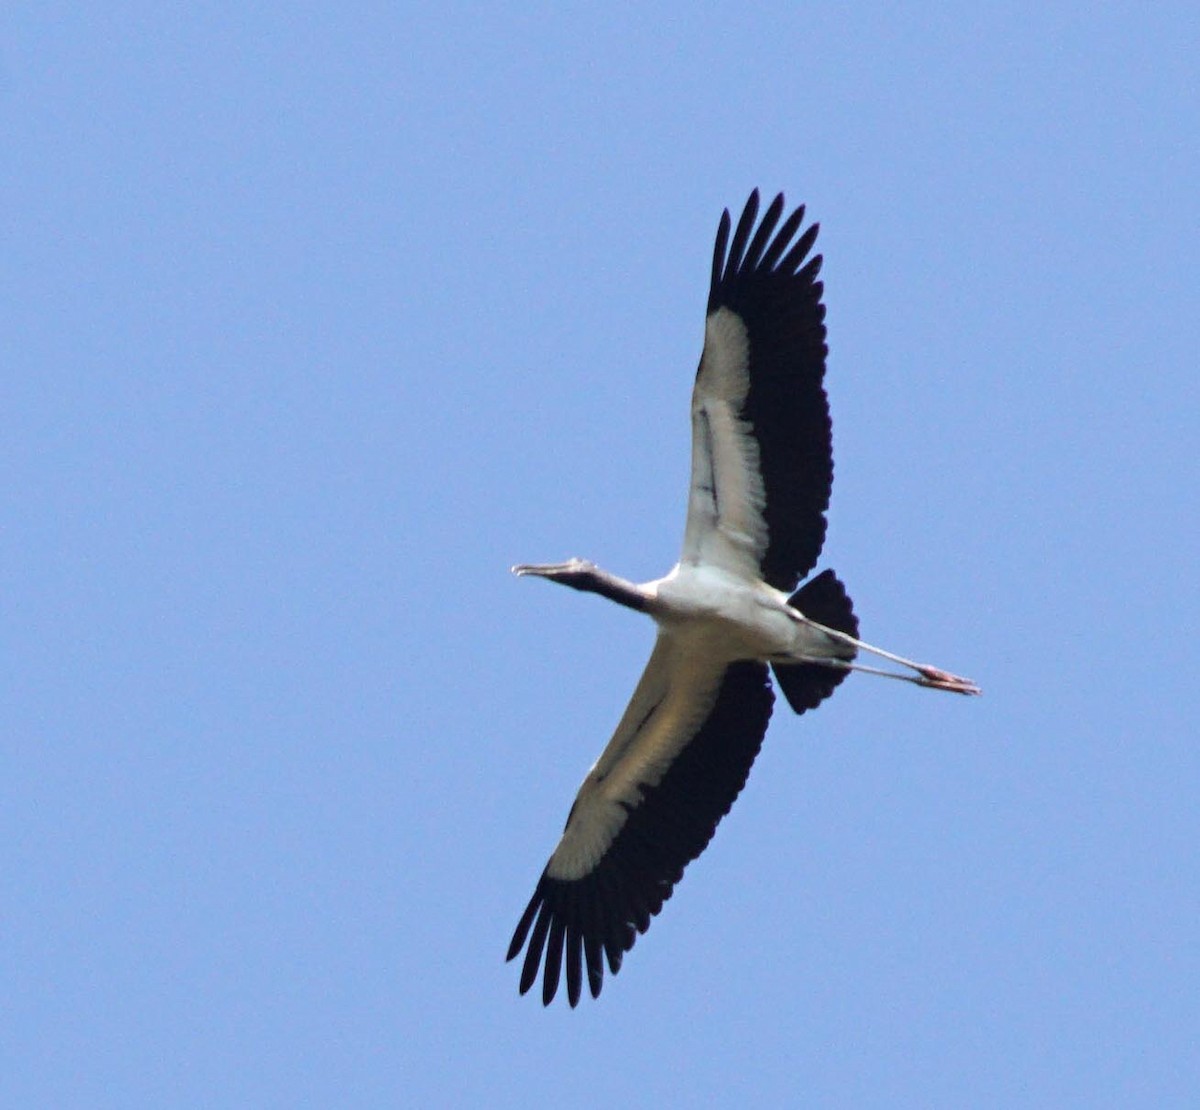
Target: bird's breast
[[729, 616]]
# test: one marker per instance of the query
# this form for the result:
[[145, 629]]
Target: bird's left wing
[[650, 805], [762, 455]]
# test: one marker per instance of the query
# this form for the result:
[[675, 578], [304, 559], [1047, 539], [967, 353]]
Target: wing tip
[[564, 942], [770, 249]]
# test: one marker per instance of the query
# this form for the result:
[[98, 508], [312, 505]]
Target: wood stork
[[762, 469]]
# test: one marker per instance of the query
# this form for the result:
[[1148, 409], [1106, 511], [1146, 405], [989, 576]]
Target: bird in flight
[[728, 613]]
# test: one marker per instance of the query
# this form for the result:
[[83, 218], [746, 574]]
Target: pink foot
[[938, 679]]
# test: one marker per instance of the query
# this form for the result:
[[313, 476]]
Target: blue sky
[[314, 322]]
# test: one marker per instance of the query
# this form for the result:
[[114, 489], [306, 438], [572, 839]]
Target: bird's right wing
[[650, 805]]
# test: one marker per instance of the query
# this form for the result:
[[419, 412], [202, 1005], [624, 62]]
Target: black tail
[[824, 599]]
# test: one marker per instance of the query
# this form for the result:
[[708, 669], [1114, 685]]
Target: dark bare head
[[580, 574]]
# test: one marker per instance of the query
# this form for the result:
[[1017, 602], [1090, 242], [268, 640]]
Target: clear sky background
[[314, 322]]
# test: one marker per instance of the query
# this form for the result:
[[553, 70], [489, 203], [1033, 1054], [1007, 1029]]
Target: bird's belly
[[728, 617]]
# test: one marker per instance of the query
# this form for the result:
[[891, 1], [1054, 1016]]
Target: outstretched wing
[[762, 455], [650, 805]]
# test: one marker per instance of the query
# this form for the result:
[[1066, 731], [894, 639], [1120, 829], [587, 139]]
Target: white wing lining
[[672, 700], [725, 522]]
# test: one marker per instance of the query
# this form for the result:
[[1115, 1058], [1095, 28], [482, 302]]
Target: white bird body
[[761, 474], [742, 619]]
